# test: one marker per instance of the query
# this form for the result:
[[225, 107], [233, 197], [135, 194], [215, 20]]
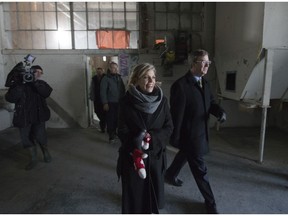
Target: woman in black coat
[[143, 110]]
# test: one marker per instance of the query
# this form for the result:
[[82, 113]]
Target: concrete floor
[[82, 178]]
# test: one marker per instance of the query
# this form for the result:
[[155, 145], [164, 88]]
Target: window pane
[[105, 6], [24, 20], [160, 21], [23, 6], [10, 21], [92, 40], [119, 20], [37, 20], [36, 6], [132, 21], [118, 6], [79, 6], [196, 23], [134, 36], [64, 21], [80, 40], [80, 20], [50, 20], [185, 7], [93, 20], [197, 7], [51, 40], [63, 6], [185, 20], [173, 7], [173, 21], [160, 7], [8, 43], [131, 6], [24, 40], [106, 20], [38, 38], [64, 39], [49, 6], [93, 6], [11, 6]]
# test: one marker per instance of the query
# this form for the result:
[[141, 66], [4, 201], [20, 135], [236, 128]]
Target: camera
[[28, 75], [21, 72]]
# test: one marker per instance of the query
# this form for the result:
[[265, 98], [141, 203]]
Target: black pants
[[101, 114], [199, 172], [112, 119], [33, 132]]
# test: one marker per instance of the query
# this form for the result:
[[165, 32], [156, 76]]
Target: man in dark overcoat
[[96, 98], [31, 111], [191, 103]]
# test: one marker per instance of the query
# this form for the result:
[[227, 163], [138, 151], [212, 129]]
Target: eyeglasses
[[204, 62]]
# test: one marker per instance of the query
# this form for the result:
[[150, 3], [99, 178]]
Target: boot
[[47, 156], [33, 161]]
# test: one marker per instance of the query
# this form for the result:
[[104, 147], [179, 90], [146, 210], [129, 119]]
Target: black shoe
[[211, 208], [173, 181]]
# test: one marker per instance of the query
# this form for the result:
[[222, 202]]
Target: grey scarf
[[147, 103]]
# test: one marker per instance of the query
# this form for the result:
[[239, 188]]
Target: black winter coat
[[143, 195], [30, 103], [190, 109]]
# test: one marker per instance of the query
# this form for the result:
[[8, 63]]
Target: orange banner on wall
[[113, 39]]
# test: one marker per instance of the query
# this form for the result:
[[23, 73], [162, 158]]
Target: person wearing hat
[[31, 113]]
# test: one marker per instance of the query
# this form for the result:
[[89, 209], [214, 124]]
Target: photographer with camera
[[31, 110]]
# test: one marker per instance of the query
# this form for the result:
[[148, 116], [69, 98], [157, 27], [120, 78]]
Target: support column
[[268, 70]]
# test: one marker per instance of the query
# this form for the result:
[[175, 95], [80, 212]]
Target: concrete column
[[268, 70]]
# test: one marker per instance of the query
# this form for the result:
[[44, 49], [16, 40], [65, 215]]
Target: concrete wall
[[238, 40]]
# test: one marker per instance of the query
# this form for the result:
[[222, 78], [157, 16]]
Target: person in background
[[111, 90], [143, 112], [191, 103], [31, 113], [96, 98]]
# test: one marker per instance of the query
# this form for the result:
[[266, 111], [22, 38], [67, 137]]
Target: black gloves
[[222, 117]]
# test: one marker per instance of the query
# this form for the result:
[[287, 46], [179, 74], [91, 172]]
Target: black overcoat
[[30, 103], [190, 107], [143, 195]]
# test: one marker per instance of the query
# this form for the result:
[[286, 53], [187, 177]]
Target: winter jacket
[[30, 103], [111, 88]]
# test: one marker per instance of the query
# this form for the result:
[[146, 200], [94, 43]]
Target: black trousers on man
[[101, 114], [33, 132], [199, 172], [112, 120]]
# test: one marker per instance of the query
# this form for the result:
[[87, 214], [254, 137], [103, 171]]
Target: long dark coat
[[30, 102], [190, 107], [143, 195]]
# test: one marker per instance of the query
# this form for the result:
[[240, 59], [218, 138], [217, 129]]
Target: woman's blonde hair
[[139, 71]]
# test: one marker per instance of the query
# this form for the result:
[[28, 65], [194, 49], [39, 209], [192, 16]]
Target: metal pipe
[[262, 134]]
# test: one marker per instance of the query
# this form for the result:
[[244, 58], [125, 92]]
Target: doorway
[[93, 62], [125, 61]]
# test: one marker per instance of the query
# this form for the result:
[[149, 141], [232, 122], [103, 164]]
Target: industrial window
[[64, 25], [178, 16]]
